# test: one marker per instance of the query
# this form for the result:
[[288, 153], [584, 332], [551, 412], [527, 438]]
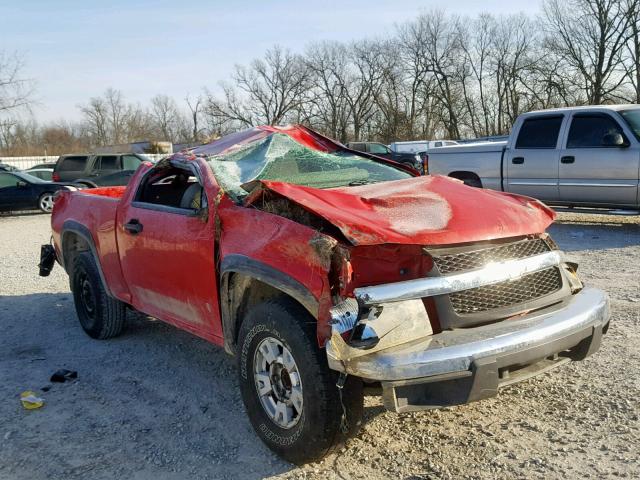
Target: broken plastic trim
[[369, 324], [376, 329], [348, 317]]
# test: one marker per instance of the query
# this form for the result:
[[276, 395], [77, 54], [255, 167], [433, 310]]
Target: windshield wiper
[[355, 183]]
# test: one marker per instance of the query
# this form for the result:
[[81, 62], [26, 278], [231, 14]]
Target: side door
[[15, 193], [531, 164], [166, 247], [597, 166], [105, 165]]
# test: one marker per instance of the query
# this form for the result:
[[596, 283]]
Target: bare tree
[[16, 90], [364, 82], [632, 63], [96, 119], [165, 117], [417, 78], [590, 36], [267, 91], [515, 53], [110, 120], [138, 125], [327, 64], [195, 111], [117, 112]]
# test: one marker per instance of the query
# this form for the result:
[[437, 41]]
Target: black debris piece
[[63, 375]]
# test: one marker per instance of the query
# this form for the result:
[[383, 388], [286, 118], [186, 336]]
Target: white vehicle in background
[[578, 157], [418, 146]]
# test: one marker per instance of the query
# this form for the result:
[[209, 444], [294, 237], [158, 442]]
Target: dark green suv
[[99, 170]]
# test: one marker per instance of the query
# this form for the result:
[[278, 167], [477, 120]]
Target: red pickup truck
[[324, 271]]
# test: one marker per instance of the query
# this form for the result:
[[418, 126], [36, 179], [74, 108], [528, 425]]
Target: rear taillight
[[55, 177], [425, 163]]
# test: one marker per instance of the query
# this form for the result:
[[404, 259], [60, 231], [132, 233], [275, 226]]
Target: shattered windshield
[[278, 157]]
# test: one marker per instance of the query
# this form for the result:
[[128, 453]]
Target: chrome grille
[[476, 259], [504, 294]]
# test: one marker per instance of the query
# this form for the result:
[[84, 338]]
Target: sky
[[75, 50]]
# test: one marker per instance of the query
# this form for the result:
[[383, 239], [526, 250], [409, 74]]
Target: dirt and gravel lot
[[159, 403]]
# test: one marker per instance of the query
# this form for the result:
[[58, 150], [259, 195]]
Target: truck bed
[[484, 159], [93, 213], [111, 192]]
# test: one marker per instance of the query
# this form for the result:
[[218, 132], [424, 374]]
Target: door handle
[[568, 159], [134, 226], [517, 160]]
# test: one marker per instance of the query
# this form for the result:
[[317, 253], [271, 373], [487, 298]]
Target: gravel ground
[[159, 403]]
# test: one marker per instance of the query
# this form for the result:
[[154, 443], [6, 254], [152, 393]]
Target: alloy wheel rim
[[46, 202], [278, 383]]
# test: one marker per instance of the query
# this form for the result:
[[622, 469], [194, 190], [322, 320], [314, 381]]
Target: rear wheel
[[45, 202], [100, 315], [467, 178], [289, 392], [472, 182]]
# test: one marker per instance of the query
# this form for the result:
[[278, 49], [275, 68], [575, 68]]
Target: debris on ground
[[63, 375], [30, 401]]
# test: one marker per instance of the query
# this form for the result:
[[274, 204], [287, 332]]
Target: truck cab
[[582, 156]]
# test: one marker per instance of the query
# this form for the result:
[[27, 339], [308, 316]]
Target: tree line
[[438, 76]]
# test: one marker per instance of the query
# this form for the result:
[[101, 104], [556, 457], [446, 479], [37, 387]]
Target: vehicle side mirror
[[614, 140], [21, 184]]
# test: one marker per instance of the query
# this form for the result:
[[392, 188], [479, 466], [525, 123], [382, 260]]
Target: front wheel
[[289, 392], [45, 202]]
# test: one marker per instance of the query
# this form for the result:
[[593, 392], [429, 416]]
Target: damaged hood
[[429, 210]]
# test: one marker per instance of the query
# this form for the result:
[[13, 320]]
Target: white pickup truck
[[567, 157]]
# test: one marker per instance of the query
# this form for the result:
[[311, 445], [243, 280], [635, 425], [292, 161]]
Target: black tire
[[318, 429], [100, 315], [472, 182]]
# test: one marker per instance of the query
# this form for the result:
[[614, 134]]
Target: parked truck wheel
[[289, 392], [472, 182], [100, 315]]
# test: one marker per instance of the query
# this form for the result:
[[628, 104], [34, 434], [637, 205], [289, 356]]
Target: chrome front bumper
[[444, 285], [482, 358]]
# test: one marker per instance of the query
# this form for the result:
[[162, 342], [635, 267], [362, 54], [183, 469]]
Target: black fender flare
[[71, 226], [237, 263]]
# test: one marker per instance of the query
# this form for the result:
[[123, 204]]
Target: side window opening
[[72, 164], [377, 148], [539, 132], [130, 162], [7, 180], [588, 131], [172, 187], [108, 162]]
